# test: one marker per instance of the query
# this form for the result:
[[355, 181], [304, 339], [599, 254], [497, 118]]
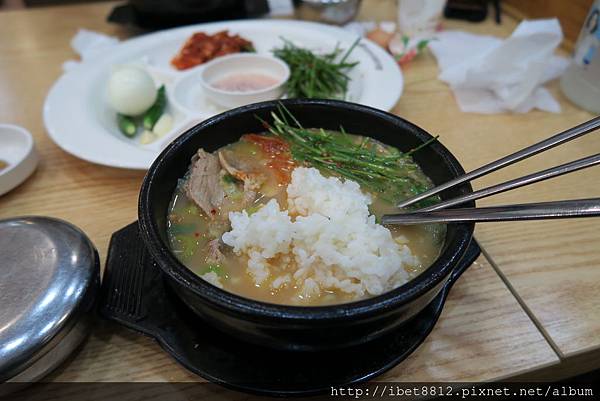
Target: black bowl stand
[[135, 294]]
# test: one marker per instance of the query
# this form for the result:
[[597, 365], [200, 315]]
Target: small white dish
[[18, 150], [239, 70]]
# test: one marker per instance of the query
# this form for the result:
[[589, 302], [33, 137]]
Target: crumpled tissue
[[491, 75], [89, 45]]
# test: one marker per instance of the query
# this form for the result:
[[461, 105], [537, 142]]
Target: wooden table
[[526, 309]]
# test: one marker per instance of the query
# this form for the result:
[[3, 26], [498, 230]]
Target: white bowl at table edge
[[18, 170]]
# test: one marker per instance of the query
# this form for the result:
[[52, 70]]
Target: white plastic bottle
[[581, 81]]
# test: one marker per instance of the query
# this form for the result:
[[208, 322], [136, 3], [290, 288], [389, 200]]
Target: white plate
[[18, 150], [79, 120]]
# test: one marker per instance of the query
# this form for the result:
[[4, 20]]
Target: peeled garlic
[[147, 137], [163, 125]]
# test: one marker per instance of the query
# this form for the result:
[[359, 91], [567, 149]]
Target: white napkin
[[89, 44], [490, 75]]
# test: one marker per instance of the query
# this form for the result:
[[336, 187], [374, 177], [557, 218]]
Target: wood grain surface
[[483, 334], [98, 199]]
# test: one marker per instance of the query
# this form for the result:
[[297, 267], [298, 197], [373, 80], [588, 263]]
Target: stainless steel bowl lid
[[49, 275]]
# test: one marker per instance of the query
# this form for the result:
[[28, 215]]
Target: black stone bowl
[[296, 327]]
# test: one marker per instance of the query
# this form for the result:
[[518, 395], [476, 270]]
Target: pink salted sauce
[[245, 82]]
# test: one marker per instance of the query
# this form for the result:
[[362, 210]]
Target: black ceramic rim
[[427, 280]]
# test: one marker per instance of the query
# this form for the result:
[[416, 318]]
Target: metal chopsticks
[[547, 210], [518, 182], [528, 211], [522, 154]]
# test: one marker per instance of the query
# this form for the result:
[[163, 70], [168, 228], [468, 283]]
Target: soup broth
[[258, 169]]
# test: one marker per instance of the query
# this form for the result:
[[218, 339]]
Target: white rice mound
[[325, 241]]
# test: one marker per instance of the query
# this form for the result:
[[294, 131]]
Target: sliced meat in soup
[[252, 180], [204, 185]]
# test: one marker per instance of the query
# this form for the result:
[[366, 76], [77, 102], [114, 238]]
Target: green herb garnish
[[253, 209], [192, 209], [376, 167], [229, 179], [316, 76], [179, 229], [187, 245], [215, 268]]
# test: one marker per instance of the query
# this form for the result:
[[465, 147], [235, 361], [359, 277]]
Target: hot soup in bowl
[[266, 222], [290, 216]]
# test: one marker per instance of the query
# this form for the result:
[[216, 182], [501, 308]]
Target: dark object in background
[[471, 10], [159, 14]]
